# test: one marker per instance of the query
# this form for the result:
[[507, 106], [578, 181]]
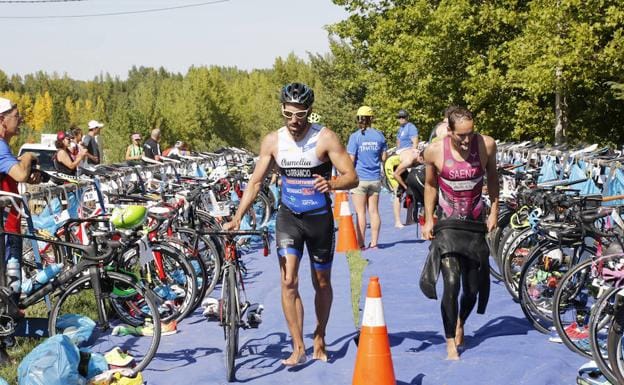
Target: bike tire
[[614, 349], [231, 323], [601, 318], [571, 286], [134, 292]]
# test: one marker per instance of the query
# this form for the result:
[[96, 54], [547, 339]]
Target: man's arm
[[404, 165], [337, 154], [87, 142], [431, 189], [414, 136], [20, 171], [492, 182], [263, 165]]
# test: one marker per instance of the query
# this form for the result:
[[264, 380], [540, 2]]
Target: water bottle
[[14, 274], [41, 278]]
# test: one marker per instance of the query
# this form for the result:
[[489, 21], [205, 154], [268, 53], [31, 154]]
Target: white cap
[[94, 124], [5, 105]]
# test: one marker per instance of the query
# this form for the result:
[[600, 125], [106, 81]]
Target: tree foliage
[[504, 59]]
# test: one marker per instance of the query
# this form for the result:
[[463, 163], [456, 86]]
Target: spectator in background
[[407, 145], [134, 150], [88, 141], [13, 171], [367, 149], [74, 145], [180, 148], [64, 161], [151, 147]]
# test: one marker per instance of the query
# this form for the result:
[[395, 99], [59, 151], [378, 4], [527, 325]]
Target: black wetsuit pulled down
[[460, 184]]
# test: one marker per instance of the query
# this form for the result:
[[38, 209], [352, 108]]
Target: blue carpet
[[501, 346]]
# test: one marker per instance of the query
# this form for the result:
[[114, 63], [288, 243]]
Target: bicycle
[[231, 309]]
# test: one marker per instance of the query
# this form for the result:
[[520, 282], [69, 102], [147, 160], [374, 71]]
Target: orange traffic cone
[[373, 364], [347, 239], [341, 196]]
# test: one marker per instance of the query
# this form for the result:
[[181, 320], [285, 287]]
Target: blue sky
[[243, 33]]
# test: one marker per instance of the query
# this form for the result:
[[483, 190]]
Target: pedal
[[254, 315]]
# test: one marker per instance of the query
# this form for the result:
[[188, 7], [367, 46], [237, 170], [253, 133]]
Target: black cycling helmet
[[402, 114], [297, 93]]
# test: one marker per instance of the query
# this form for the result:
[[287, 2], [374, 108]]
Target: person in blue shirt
[[367, 148], [407, 137], [406, 147]]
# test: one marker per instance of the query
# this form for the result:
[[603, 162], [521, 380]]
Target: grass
[[357, 264], [23, 346], [83, 304]]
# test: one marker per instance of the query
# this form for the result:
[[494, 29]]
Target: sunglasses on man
[[299, 114]]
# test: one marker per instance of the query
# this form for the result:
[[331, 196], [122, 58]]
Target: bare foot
[[399, 225], [459, 335], [297, 357], [451, 350], [319, 349]]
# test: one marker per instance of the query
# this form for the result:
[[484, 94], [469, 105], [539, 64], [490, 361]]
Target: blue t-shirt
[[367, 147], [405, 135], [7, 159]]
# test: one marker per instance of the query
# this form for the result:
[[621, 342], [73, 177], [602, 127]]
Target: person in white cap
[[88, 141], [12, 172]]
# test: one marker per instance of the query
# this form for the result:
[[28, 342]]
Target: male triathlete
[[304, 154], [455, 168]]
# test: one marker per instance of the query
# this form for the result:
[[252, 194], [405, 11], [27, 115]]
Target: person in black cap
[[407, 145]]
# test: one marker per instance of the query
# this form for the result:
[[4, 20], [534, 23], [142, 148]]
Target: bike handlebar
[[230, 234]]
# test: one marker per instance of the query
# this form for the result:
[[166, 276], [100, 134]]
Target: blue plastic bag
[[548, 171], [54, 362], [97, 365], [614, 186], [77, 327], [587, 187], [200, 172], [72, 205], [45, 221], [3, 381]]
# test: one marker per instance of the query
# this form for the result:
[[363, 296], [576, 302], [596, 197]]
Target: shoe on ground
[[119, 359]]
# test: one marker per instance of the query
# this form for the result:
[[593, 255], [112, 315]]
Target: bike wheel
[[572, 303], [614, 346], [262, 208], [79, 297], [230, 322], [200, 268], [495, 266], [515, 248], [541, 275], [207, 252], [170, 276], [600, 322]]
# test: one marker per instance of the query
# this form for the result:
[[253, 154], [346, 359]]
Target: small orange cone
[[341, 196], [373, 364], [347, 239]]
